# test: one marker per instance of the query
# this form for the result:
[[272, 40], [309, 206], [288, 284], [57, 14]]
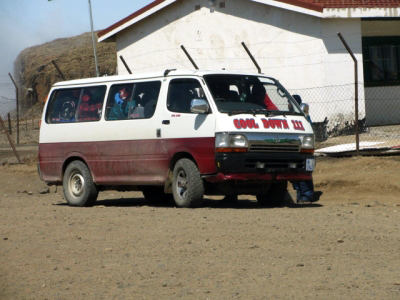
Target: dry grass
[[74, 56]]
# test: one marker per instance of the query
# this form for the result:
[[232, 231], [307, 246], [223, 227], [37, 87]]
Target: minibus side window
[[119, 102], [62, 107], [181, 93], [132, 101], [145, 95], [90, 104], [76, 105]]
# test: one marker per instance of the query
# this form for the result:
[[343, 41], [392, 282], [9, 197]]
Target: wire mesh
[[25, 135], [332, 110]]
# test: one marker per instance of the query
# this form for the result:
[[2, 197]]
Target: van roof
[[116, 78]]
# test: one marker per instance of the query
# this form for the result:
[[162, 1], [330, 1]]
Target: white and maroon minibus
[[175, 135]]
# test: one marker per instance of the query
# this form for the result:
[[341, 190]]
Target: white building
[[294, 41]]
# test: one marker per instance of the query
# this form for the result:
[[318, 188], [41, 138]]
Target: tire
[[275, 195], [155, 196], [187, 185], [78, 186]]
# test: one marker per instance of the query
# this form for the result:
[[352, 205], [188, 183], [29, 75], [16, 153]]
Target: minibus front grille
[[274, 164], [274, 148]]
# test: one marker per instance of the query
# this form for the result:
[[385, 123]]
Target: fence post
[[30, 92], [355, 92], [9, 123], [16, 97], [251, 57], [125, 64], [190, 58], [10, 140], [58, 69]]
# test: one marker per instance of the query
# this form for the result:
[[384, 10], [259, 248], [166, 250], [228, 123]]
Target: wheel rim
[[182, 184], [76, 184]]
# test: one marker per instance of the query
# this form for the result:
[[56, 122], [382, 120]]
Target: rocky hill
[[74, 56]]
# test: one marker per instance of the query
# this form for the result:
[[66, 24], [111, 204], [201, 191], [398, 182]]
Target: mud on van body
[[176, 135]]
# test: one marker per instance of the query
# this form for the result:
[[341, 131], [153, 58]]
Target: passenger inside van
[[64, 106], [259, 96], [222, 91], [121, 105], [146, 96]]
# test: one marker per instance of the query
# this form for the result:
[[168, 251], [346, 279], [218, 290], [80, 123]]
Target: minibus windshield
[[237, 94]]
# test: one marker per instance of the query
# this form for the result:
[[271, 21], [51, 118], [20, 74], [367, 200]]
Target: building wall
[[382, 104], [299, 50]]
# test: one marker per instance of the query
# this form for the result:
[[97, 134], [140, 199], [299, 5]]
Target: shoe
[[304, 201], [316, 196]]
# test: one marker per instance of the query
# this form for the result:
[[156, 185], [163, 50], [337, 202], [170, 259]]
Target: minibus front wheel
[[78, 186], [187, 185]]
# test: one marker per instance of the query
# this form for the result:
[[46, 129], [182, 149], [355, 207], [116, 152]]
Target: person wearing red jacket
[[259, 96]]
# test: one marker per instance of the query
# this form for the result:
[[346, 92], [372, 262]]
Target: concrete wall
[[302, 51], [382, 104]]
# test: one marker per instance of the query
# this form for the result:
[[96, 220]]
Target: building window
[[381, 57]]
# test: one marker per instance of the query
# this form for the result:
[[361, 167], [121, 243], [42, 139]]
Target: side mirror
[[305, 108], [199, 106]]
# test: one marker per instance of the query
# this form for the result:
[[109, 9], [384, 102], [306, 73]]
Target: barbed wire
[[6, 98], [246, 57]]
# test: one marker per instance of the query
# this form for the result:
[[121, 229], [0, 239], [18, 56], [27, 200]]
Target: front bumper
[[261, 166]]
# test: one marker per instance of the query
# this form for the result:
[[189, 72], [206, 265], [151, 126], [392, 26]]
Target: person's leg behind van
[[305, 191]]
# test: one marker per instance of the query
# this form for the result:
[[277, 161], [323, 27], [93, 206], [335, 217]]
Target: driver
[[222, 91]]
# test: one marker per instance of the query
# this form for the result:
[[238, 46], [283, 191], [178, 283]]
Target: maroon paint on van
[[132, 162]]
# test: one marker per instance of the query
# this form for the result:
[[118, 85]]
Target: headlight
[[308, 142], [225, 142], [238, 140]]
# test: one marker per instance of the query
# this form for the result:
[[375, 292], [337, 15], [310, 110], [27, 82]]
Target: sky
[[26, 23]]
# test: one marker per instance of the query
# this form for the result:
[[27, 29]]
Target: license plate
[[310, 164]]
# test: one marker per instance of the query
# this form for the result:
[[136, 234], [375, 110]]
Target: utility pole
[[94, 43]]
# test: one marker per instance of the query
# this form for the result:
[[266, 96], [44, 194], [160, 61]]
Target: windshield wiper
[[252, 111], [287, 113]]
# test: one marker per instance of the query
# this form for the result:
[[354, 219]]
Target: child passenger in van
[[122, 104]]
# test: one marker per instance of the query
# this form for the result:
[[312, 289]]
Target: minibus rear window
[[76, 105]]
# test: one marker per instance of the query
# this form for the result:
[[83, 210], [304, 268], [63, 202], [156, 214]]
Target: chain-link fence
[[24, 134], [332, 110]]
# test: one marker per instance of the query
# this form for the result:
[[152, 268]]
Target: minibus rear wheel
[[275, 195], [78, 186], [187, 185]]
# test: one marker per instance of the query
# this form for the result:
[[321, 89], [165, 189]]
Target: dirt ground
[[346, 246]]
